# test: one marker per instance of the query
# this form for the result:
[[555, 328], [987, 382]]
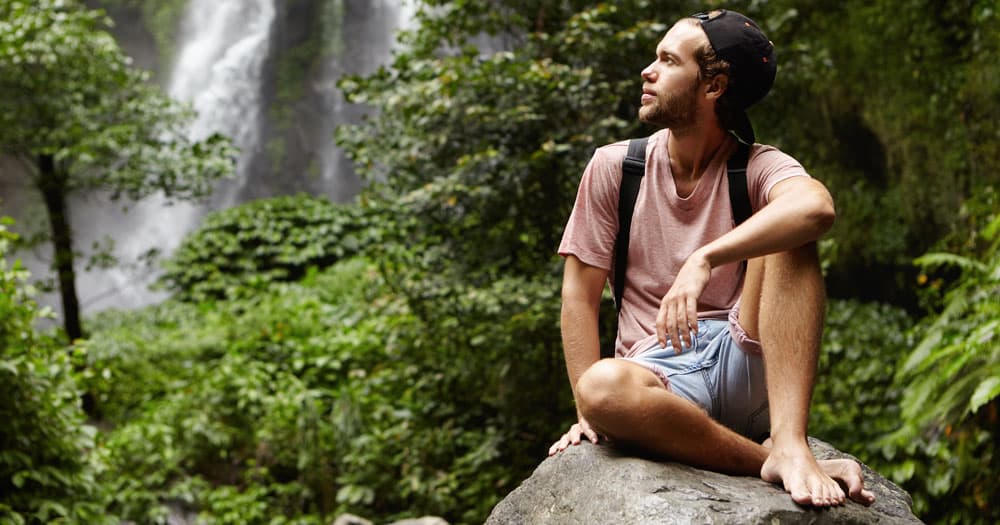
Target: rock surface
[[590, 484], [351, 519]]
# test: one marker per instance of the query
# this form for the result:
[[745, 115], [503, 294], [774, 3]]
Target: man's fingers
[[589, 432], [672, 327], [692, 314], [560, 445], [677, 322], [574, 434], [683, 326], [574, 437], [661, 325]]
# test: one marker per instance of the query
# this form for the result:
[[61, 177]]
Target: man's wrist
[[702, 258]]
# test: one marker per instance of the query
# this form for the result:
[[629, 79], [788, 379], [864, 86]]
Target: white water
[[222, 48], [377, 32], [219, 70]]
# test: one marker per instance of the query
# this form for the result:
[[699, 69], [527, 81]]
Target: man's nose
[[648, 73]]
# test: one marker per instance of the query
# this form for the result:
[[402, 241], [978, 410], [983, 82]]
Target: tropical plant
[[47, 471], [248, 247], [79, 118], [856, 401], [319, 397], [951, 386]]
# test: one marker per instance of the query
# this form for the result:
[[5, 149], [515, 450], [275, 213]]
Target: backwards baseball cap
[[752, 65]]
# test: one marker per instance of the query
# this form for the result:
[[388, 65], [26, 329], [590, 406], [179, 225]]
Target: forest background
[[399, 355]]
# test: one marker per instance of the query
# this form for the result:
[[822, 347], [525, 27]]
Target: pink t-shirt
[[666, 229]]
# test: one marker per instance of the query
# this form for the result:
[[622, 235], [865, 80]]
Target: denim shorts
[[717, 375]]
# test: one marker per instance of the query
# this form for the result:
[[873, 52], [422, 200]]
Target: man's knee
[[605, 388]]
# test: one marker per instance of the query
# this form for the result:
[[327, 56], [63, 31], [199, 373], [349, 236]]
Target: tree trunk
[[52, 184]]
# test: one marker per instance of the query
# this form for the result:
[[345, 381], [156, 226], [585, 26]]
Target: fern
[[951, 383]]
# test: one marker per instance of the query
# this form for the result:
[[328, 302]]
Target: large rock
[[590, 484]]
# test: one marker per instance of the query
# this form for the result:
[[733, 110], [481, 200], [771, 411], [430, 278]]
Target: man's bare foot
[[810, 482], [846, 472]]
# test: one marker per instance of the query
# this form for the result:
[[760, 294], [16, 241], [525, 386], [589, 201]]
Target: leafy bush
[[47, 474], [855, 400], [951, 386], [265, 241], [326, 396]]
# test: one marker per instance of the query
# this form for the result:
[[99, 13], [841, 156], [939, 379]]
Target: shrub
[[47, 473], [951, 383], [265, 241], [326, 396], [855, 400]]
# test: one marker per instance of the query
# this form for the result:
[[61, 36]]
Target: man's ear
[[717, 86]]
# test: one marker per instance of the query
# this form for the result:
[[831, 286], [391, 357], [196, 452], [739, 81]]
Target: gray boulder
[[590, 484], [351, 519]]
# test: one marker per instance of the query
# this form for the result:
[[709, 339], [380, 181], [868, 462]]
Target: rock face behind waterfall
[[590, 484]]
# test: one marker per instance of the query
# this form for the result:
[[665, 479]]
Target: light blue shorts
[[718, 376]]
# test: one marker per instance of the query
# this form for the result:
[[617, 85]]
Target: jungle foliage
[[274, 240], [79, 118], [400, 356], [44, 477]]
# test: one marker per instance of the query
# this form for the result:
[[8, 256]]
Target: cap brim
[[742, 128]]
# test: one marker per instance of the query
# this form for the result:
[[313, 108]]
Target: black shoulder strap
[[633, 169], [739, 198]]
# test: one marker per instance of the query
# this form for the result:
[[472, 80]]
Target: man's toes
[[826, 492], [801, 496], [838, 495], [854, 480], [862, 496]]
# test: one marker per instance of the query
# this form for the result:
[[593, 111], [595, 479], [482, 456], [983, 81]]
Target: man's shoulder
[[769, 153], [615, 152]]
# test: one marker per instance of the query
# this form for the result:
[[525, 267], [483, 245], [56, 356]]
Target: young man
[[688, 382]]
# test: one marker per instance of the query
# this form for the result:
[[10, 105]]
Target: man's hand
[[678, 316], [573, 436]]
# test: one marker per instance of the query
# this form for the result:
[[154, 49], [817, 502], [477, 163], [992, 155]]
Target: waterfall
[[227, 53], [357, 47], [222, 48], [219, 70]]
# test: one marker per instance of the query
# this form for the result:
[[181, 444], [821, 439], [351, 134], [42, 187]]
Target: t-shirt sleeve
[[768, 166], [593, 224]]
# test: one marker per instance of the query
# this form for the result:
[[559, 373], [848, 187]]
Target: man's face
[[672, 90]]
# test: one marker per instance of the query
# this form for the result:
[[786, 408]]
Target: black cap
[[752, 65]]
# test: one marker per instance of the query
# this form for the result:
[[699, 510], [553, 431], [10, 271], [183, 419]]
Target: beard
[[674, 111]]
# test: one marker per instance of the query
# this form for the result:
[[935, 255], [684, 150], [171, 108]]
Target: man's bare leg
[[782, 307], [628, 403]]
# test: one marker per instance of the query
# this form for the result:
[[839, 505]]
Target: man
[[688, 382]]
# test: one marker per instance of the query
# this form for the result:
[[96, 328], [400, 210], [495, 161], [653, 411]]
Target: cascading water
[[227, 54], [346, 34], [219, 70], [224, 44]]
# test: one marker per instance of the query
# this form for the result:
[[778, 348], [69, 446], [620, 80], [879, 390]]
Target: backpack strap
[[736, 170], [633, 169]]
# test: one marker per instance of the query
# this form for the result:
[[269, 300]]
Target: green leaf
[[984, 393]]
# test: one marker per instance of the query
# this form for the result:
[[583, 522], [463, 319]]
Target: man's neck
[[691, 150]]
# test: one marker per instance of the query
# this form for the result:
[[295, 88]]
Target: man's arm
[[579, 324], [799, 210]]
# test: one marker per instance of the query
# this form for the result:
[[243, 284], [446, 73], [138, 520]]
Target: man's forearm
[[580, 337], [794, 217]]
